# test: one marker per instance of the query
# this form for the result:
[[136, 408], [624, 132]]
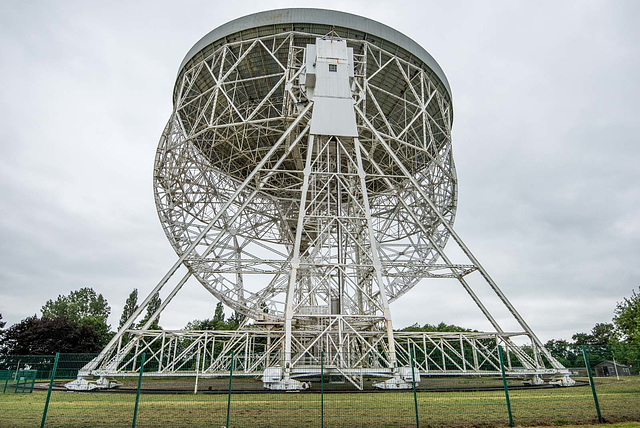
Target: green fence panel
[[184, 400], [593, 387], [549, 404], [48, 400], [193, 396], [253, 405], [506, 386], [614, 370], [95, 408], [41, 363], [135, 408]]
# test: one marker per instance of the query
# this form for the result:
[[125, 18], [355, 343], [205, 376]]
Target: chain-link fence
[[607, 389]]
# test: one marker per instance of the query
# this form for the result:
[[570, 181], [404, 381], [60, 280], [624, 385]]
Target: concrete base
[[533, 380], [291, 385], [562, 381], [87, 383], [394, 383]]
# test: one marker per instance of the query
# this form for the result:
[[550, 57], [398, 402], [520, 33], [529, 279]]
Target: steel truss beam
[[347, 350], [311, 236]]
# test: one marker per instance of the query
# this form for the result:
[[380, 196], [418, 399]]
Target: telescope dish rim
[[322, 17]]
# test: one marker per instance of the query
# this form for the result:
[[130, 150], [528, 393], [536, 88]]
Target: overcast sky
[[546, 140]]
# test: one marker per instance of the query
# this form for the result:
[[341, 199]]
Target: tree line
[[605, 338], [77, 323]]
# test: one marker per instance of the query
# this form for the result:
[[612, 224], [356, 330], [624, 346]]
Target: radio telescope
[[306, 179]]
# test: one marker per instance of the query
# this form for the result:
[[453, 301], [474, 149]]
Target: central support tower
[[306, 179]]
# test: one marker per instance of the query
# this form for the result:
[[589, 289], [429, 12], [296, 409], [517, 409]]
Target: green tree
[[218, 315], [153, 306], [2, 324], [77, 305], [206, 324], [442, 327], [598, 342], [601, 334], [130, 307], [209, 324], [217, 322], [84, 307], [568, 354], [604, 333], [627, 318], [46, 336], [235, 320]]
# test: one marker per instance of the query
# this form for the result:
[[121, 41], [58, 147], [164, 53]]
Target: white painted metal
[[306, 179], [327, 82]]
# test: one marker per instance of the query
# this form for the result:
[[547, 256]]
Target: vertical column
[[230, 383], [376, 259], [322, 389], [295, 262], [413, 382]]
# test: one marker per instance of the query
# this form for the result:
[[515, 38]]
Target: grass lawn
[[619, 402]]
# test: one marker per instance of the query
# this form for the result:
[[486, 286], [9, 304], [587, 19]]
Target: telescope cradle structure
[[306, 179]]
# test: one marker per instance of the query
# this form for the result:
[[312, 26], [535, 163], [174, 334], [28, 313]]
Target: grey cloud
[[545, 138]]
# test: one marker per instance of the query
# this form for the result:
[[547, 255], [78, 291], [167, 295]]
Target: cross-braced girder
[[312, 235], [229, 111], [345, 348]]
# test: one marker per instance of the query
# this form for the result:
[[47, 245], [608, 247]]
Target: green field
[[619, 401]]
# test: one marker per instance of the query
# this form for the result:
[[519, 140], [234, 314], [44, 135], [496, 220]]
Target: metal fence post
[[195, 386], [33, 382], [17, 369], [322, 389], [229, 399], [135, 409], [506, 387], [415, 397], [46, 403], [18, 379], [615, 366], [593, 386]]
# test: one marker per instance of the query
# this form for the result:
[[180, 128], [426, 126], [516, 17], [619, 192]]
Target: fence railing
[[607, 390]]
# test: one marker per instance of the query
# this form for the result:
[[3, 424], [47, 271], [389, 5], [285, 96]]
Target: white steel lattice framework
[[308, 199]]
